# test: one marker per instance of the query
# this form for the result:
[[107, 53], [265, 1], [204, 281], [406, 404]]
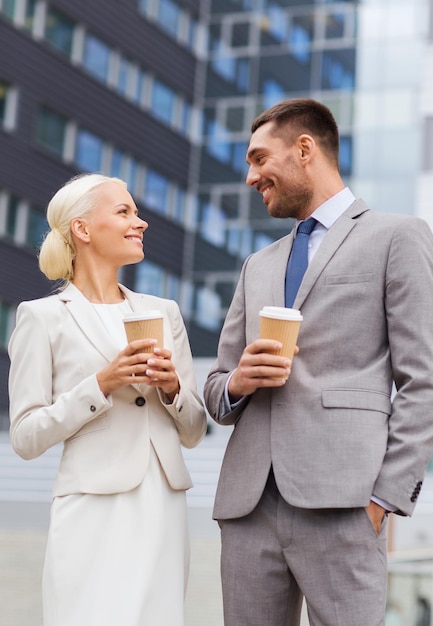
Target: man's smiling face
[[276, 171]]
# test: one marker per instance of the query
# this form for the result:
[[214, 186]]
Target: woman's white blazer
[[56, 349]]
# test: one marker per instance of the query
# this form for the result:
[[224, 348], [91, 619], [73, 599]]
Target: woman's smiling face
[[114, 229]]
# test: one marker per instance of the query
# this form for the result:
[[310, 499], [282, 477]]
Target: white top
[[111, 316]]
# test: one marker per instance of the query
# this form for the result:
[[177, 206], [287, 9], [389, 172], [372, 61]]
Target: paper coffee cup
[[147, 325], [281, 324]]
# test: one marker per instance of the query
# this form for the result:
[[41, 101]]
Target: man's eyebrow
[[251, 153]]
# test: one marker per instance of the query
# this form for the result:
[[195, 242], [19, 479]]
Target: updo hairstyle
[[76, 199]]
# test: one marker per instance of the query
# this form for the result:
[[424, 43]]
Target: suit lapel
[[329, 246], [279, 269], [88, 321]]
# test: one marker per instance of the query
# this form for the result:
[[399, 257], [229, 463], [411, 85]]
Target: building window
[[220, 150], [169, 17], [224, 63], [278, 22], [147, 7], [301, 36], [132, 175], [163, 101], [261, 240], [8, 8], [240, 35], [37, 227], [51, 130], [29, 15], [140, 83], [185, 117], [179, 205], [89, 151], [335, 25], [208, 311], [123, 74], [12, 217], [212, 225], [235, 119], [153, 279], [156, 191], [191, 35], [116, 164], [149, 278], [338, 69], [232, 69], [59, 31], [20, 222], [8, 106], [96, 58], [7, 322], [238, 152], [273, 92]]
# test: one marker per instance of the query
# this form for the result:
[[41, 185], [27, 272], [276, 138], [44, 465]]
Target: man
[[319, 453]]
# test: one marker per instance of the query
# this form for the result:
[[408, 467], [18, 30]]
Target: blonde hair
[[76, 199]]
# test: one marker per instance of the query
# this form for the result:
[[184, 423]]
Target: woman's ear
[[79, 229]]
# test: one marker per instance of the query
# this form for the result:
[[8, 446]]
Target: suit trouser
[[279, 554]]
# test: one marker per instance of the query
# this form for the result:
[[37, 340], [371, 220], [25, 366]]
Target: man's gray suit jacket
[[332, 433]]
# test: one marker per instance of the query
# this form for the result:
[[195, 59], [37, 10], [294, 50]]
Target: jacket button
[[92, 408], [140, 401]]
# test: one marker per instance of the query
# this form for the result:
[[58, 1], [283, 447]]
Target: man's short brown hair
[[303, 115]]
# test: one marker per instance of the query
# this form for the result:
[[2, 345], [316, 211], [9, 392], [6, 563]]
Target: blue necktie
[[298, 261]]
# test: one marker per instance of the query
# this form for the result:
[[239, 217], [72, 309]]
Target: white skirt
[[118, 560]]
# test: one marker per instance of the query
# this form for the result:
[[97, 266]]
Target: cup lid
[[281, 312], [144, 315]]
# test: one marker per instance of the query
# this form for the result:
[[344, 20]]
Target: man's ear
[[306, 146], [79, 229]]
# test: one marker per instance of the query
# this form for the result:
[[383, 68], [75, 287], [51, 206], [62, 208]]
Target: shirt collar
[[329, 212]]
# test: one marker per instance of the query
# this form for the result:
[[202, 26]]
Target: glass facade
[[387, 129], [365, 59], [260, 52]]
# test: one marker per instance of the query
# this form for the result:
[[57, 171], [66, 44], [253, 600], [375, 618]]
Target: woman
[[118, 550]]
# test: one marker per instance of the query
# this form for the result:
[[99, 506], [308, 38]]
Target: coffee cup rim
[[145, 315], [283, 313]]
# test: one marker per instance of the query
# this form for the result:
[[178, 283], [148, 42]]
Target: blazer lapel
[[279, 269], [329, 246], [88, 321]]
